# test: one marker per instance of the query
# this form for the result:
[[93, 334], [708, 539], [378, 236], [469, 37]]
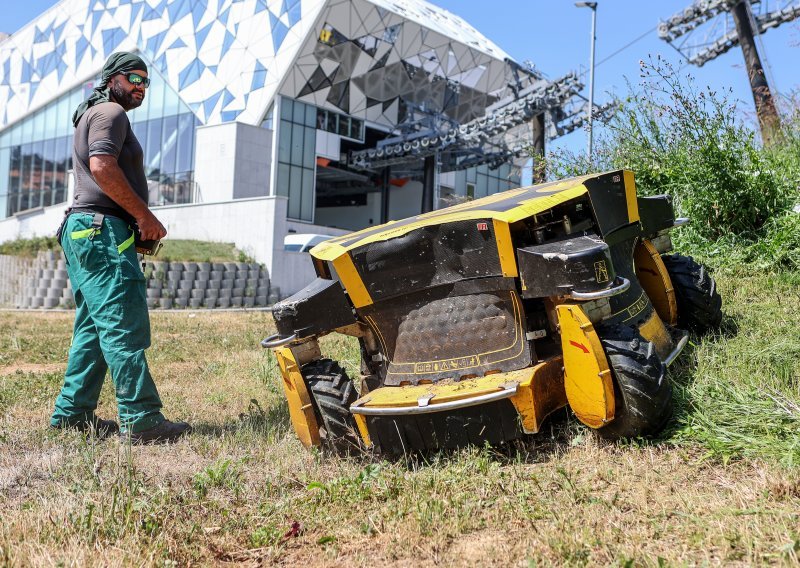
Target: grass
[[200, 251], [721, 487], [173, 249]]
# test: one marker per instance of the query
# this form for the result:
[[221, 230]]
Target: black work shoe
[[163, 433], [101, 428]]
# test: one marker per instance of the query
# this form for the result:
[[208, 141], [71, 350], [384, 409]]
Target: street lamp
[[593, 7]]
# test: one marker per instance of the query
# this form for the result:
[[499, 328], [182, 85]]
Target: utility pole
[[690, 22], [768, 119], [538, 136]]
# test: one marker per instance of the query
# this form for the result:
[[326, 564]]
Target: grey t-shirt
[[104, 129]]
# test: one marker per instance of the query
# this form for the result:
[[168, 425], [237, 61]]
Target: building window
[[36, 152], [340, 124], [297, 136], [488, 181], [480, 181]]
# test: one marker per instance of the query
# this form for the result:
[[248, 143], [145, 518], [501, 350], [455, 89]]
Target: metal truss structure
[[705, 30], [497, 137], [576, 117]]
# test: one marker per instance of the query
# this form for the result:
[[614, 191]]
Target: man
[[112, 325]]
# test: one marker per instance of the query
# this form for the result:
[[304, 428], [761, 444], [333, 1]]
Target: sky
[[555, 35]]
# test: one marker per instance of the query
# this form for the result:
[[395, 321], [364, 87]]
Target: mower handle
[[621, 284], [276, 340]]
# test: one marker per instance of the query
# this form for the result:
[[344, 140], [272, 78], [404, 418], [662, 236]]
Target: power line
[[623, 48], [626, 46]]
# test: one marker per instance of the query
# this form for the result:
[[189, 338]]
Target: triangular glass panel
[[62, 69], [178, 9], [154, 43], [177, 43], [34, 86], [136, 9], [229, 115], [57, 31], [339, 96], [198, 9], [227, 42], [390, 34], [190, 73], [151, 13], [368, 43], [210, 103], [331, 36], [161, 62], [381, 62], [223, 17], [40, 36], [111, 39], [201, 35], [259, 77], [279, 31], [227, 98], [295, 13], [317, 81]]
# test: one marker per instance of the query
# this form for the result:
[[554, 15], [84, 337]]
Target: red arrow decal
[[579, 346]]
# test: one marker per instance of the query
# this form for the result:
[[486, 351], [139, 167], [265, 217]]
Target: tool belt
[[145, 247]]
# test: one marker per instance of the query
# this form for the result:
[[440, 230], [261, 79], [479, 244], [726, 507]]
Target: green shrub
[[689, 144], [692, 145], [28, 247]]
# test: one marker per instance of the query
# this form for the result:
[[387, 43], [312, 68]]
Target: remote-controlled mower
[[477, 321]]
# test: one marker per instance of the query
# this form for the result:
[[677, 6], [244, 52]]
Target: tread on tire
[[643, 394], [699, 304], [332, 393]]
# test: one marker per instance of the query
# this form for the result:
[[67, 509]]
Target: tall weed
[[691, 144]]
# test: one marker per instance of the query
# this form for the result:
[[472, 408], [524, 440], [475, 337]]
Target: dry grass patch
[[241, 488]]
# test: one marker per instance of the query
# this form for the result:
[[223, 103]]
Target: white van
[[302, 242]]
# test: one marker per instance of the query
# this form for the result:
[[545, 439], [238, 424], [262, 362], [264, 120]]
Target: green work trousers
[[112, 326]]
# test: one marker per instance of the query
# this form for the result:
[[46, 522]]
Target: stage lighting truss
[[497, 137], [705, 30]]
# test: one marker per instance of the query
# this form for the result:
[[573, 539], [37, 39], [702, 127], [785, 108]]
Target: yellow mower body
[[478, 321]]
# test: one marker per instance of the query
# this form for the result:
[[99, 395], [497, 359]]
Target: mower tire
[[642, 393], [332, 392], [699, 304]]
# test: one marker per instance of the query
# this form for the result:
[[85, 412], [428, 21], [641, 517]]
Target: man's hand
[[111, 179], [150, 228]]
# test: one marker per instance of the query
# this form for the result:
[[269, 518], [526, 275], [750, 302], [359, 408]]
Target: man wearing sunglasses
[[112, 324]]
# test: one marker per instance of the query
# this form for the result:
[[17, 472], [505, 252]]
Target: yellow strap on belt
[[121, 248], [84, 233]]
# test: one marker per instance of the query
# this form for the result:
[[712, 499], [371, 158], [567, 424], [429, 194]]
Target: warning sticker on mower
[[601, 271], [447, 365]]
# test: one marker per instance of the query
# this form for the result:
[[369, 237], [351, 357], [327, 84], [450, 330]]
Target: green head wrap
[[120, 62]]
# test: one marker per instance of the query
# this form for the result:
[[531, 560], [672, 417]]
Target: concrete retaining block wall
[[42, 282]]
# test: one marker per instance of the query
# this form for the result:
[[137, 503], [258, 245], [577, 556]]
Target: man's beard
[[125, 98]]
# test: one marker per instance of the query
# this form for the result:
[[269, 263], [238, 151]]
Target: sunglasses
[[136, 79]]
